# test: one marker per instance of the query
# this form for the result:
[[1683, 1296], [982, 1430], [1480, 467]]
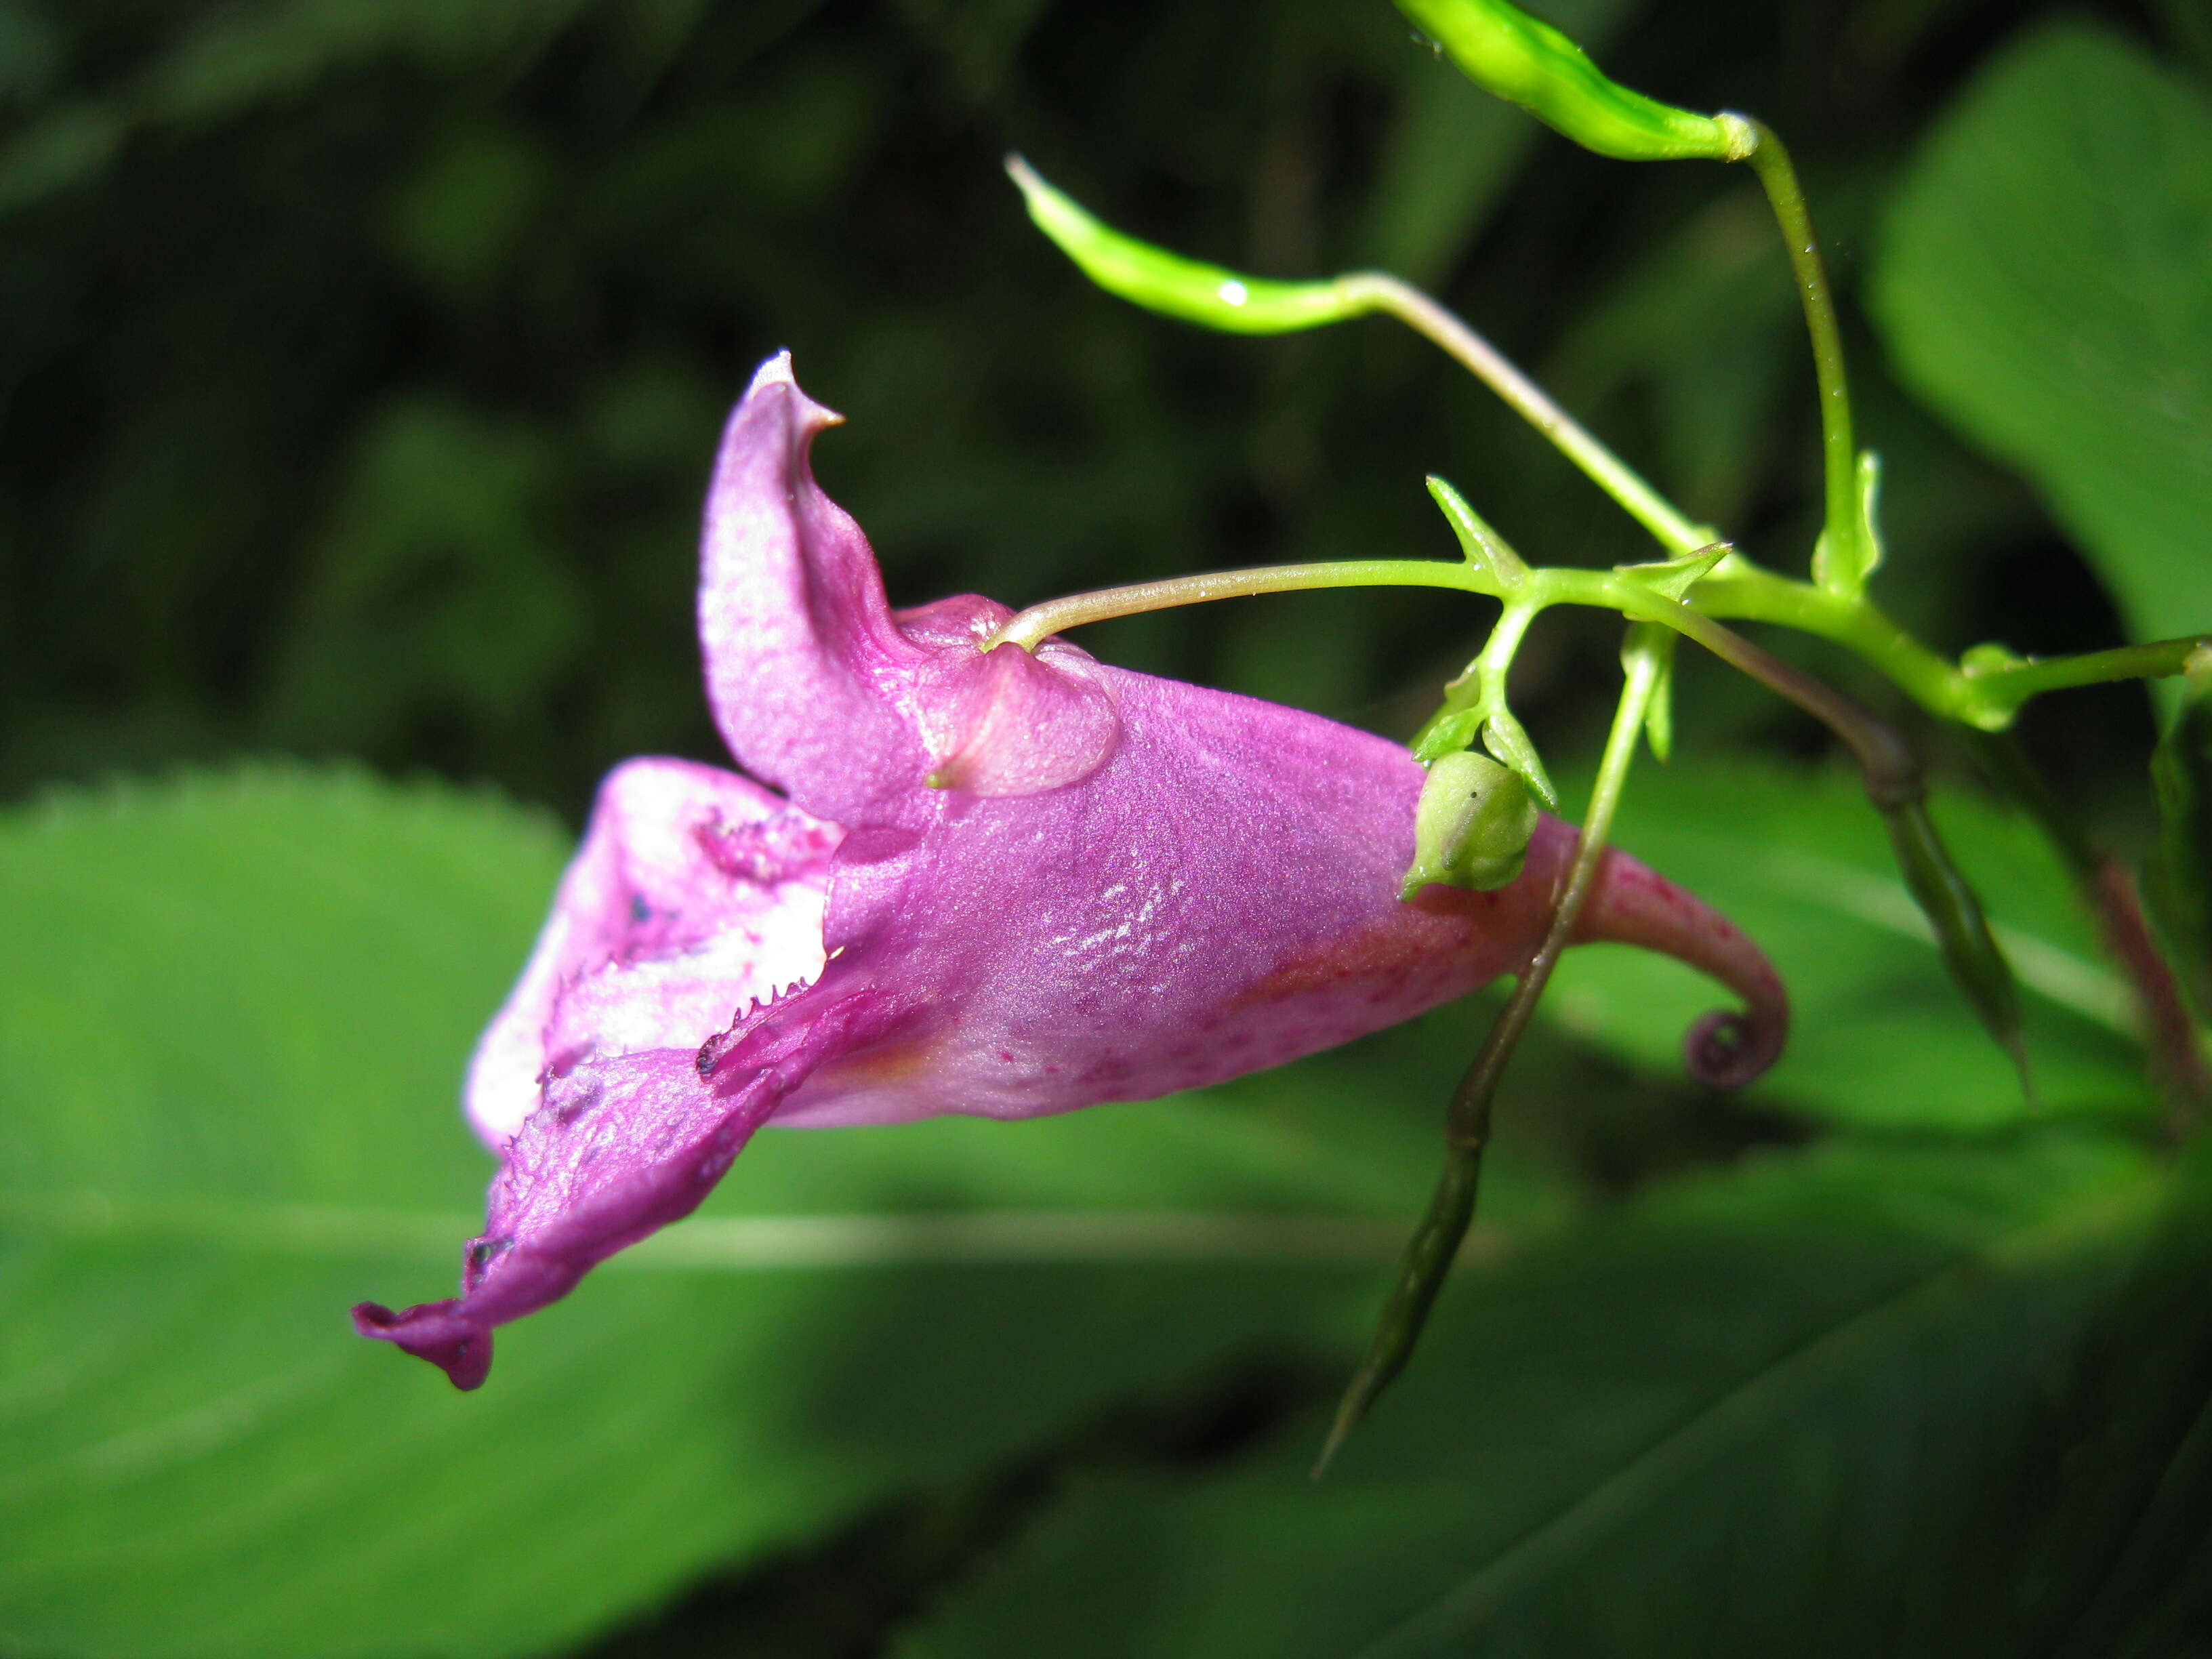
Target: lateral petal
[[621, 1148], [696, 893]]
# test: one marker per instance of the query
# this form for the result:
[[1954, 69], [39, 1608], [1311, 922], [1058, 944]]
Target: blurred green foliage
[[363, 361]]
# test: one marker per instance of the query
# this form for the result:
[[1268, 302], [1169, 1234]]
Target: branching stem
[[1987, 699], [1436, 1241]]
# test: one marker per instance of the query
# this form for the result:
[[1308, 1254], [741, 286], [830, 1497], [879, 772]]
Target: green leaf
[[2117, 1531], [1757, 1415], [230, 1035], [1878, 1034], [2046, 282]]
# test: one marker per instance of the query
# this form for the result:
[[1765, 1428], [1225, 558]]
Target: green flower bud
[[1211, 296], [1473, 826], [1504, 50]]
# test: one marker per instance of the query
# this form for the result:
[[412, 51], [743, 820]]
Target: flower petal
[[1220, 895], [621, 1148], [1004, 723], [805, 669], [695, 892]]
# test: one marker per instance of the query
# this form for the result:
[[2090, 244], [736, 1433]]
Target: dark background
[[363, 359]]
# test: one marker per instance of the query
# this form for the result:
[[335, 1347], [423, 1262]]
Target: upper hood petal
[[807, 673]]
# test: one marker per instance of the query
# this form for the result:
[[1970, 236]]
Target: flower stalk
[[1988, 698], [1436, 1241], [1847, 554]]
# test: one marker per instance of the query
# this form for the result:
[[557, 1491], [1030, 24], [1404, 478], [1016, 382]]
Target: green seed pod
[[1504, 50], [1473, 826], [1977, 965], [1211, 296]]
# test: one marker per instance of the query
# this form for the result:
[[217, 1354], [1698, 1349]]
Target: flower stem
[[1845, 525], [1467, 1123], [2014, 686], [1436, 1241], [1987, 699], [1891, 771], [1376, 290], [1028, 629]]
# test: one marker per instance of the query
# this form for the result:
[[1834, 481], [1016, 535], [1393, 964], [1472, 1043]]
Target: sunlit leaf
[[230, 1034], [2046, 282]]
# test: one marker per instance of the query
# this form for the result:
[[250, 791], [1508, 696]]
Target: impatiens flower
[[976, 881]]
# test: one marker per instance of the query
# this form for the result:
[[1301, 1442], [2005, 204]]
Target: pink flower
[[993, 883]]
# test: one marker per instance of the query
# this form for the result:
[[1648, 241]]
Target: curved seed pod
[[1212, 297], [1504, 50], [1421, 1275]]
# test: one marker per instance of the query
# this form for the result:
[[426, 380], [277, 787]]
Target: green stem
[[1838, 452], [2161, 658], [1743, 591], [1468, 1120], [1030, 628], [1986, 699], [1436, 1241], [1378, 291]]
